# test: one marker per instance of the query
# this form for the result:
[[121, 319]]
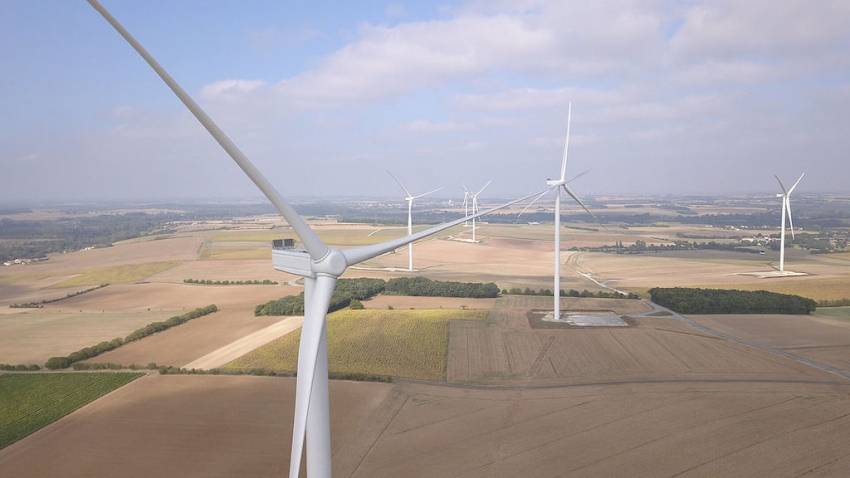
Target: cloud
[[728, 28], [231, 89], [426, 126]]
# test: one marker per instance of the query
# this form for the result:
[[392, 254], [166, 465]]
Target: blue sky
[[668, 97]]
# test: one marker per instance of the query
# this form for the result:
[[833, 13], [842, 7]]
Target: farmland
[[31, 401], [116, 274], [398, 343]]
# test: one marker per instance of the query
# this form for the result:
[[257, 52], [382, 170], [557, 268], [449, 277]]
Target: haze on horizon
[[668, 97]]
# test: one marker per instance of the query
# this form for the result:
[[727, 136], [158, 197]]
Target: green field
[[31, 401], [117, 274], [837, 313], [398, 343]]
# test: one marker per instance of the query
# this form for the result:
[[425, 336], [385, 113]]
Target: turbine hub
[[554, 182], [332, 264]]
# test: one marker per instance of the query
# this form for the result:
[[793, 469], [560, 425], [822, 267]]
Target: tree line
[[349, 293], [89, 352], [601, 294], [346, 291], [422, 286], [730, 301], [40, 303], [229, 282]]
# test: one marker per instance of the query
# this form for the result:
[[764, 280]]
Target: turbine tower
[[786, 208], [466, 195], [556, 185], [319, 265], [475, 206], [410, 198]]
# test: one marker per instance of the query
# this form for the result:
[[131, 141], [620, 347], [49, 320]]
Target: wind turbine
[[474, 197], [410, 198], [466, 195], [556, 185], [786, 207], [319, 265]]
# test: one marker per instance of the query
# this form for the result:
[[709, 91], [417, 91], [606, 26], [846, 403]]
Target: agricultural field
[[242, 426], [30, 401], [116, 274], [507, 350], [835, 313], [817, 337], [398, 343], [33, 336]]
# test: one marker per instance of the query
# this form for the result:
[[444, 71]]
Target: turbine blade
[[308, 349], [464, 189], [483, 188], [781, 185], [399, 183], [429, 192], [796, 183], [532, 202], [578, 176], [790, 221], [356, 255], [576, 199], [567, 141], [315, 247]]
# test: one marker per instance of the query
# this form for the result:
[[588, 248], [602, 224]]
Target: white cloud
[[426, 126], [232, 89]]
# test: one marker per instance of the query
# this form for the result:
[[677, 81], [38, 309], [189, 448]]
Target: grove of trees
[[730, 301]]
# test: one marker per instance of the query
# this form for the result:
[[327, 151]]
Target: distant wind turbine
[[475, 206], [466, 195], [410, 198], [786, 208], [319, 265], [556, 185]]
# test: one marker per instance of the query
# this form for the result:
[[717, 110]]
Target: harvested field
[[824, 340], [30, 401], [116, 274], [506, 350], [398, 343], [180, 345], [156, 296], [193, 426], [241, 426], [408, 302], [36, 335], [223, 270]]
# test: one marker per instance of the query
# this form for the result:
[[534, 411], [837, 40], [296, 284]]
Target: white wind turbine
[[319, 265], [474, 197], [466, 195], [410, 198], [556, 185], [786, 207]]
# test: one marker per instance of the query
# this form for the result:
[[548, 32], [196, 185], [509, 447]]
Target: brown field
[[821, 339], [180, 345], [240, 426], [38, 334], [505, 349]]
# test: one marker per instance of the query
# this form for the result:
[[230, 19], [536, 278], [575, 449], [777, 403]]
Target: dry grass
[[117, 274], [400, 343]]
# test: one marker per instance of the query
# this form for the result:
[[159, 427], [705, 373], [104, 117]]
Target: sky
[[687, 97]]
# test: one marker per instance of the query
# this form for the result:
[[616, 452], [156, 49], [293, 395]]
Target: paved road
[[240, 347]]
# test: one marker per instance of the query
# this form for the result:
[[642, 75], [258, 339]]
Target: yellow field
[[238, 254], [117, 274], [399, 343]]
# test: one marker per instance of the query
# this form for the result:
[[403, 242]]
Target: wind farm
[[666, 316]]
